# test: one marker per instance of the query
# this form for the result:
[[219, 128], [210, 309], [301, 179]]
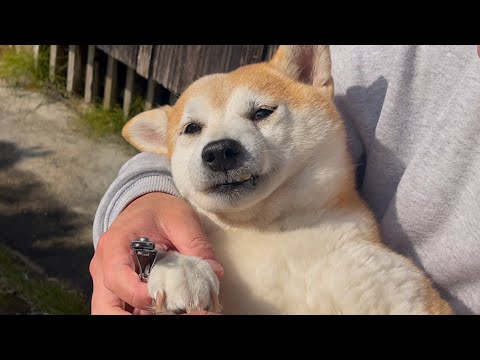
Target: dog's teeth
[[241, 178]]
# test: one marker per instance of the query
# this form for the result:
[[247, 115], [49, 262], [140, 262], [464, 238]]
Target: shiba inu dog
[[261, 153]]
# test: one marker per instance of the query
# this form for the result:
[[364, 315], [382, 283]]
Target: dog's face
[[234, 138]]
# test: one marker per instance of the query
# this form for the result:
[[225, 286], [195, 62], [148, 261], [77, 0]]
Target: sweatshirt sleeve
[[142, 174]]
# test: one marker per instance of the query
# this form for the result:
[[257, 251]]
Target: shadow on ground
[[34, 223]]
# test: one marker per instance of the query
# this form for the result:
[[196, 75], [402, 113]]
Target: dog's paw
[[180, 284]]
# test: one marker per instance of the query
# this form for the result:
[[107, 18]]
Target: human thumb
[[188, 237]]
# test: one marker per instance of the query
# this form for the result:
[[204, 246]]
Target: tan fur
[[435, 305], [160, 303], [261, 77], [148, 117], [215, 307], [303, 208]]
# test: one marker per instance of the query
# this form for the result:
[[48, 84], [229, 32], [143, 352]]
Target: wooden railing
[[170, 67]]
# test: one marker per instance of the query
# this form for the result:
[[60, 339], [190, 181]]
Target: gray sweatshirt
[[413, 116]]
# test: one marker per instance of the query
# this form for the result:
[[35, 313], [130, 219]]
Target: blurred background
[[62, 108]]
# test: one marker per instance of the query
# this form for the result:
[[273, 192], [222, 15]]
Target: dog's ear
[[309, 64], [148, 130]]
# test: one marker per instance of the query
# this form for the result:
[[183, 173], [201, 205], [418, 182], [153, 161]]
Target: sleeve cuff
[[133, 189]]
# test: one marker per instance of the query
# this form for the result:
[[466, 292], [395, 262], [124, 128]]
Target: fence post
[[128, 94], [110, 84], [36, 51], [52, 62], [90, 75], [150, 94], [96, 79], [73, 72]]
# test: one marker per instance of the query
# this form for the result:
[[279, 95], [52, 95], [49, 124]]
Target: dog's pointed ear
[[148, 130], [309, 64]]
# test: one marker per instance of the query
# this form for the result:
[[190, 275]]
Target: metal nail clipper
[[145, 255]]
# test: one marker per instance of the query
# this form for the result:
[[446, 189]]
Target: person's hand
[[163, 218]]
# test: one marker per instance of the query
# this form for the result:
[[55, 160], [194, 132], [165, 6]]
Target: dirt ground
[[52, 177]]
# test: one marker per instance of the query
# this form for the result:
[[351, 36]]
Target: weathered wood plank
[[126, 54], [96, 79], [36, 52], [110, 93], [73, 70], [144, 59], [90, 74], [128, 94], [177, 66], [53, 62], [150, 94]]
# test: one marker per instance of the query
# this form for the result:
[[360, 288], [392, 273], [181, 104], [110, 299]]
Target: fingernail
[[217, 268]]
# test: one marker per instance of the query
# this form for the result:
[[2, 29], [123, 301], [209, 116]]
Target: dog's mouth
[[248, 182]]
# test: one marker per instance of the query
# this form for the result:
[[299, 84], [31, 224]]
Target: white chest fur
[[326, 270]]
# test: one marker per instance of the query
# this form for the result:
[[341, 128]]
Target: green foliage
[[23, 291]]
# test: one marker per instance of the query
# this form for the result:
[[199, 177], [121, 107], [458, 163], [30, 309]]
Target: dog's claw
[[160, 303]]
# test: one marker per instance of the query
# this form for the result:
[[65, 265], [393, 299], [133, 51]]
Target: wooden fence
[[170, 67]]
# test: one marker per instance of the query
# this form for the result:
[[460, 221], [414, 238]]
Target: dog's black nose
[[222, 155]]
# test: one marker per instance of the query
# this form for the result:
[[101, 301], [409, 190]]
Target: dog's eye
[[192, 128], [261, 114]]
